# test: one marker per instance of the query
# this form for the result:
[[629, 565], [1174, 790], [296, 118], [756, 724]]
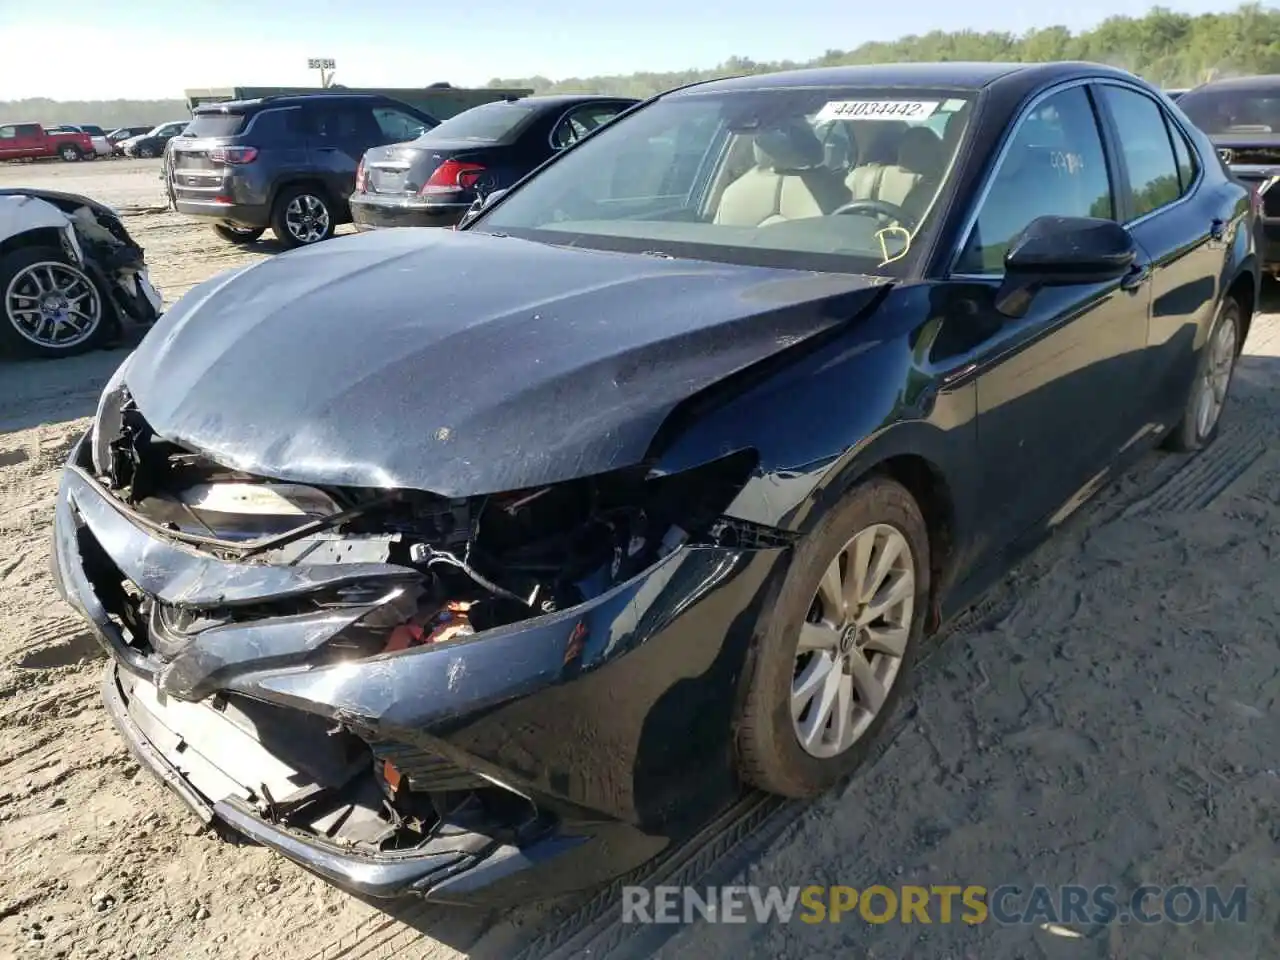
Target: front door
[[1054, 388]]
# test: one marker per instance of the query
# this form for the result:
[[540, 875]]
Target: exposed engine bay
[[481, 563]]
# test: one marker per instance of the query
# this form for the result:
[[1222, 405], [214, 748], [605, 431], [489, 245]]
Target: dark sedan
[[554, 533], [1242, 117], [433, 180]]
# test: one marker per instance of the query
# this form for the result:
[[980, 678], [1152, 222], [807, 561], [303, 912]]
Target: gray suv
[[284, 162]]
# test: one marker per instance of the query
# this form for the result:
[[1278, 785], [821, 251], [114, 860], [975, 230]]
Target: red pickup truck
[[31, 141]]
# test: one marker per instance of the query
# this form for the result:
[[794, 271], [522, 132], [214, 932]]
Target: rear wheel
[[302, 216], [1208, 394], [49, 307], [146, 151], [835, 649], [70, 152], [238, 234]]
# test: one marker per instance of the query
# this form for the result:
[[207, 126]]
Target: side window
[[29, 130], [1054, 166], [396, 125], [581, 121], [1187, 166], [343, 122], [1144, 142], [8, 133]]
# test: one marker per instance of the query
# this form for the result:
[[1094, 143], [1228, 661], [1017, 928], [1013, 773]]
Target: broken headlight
[[108, 421]]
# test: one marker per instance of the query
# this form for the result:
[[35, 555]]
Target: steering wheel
[[881, 208]]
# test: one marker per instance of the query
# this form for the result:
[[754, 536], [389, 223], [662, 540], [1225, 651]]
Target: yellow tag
[[884, 246]]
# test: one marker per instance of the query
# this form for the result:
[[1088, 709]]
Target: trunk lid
[[403, 169]]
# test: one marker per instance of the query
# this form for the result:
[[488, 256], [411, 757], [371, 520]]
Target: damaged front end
[[406, 692], [91, 236]]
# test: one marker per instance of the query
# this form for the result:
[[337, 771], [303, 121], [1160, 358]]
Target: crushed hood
[[459, 362]]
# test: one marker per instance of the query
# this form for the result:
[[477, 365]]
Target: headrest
[[791, 146], [921, 151]]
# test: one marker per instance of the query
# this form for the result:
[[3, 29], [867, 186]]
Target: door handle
[[1138, 275], [1217, 228]]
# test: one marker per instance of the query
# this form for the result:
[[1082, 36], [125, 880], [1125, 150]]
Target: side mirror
[[1062, 251], [479, 204]]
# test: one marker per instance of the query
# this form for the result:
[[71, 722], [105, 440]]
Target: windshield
[[840, 179], [1233, 111], [488, 123]]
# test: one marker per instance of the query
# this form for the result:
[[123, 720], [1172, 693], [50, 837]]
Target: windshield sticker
[[877, 110], [951, 106]]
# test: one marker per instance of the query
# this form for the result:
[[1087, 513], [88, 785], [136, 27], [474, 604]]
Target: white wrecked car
[[71, 276]]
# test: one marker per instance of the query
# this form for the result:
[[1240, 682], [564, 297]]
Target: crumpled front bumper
[[614, 718]]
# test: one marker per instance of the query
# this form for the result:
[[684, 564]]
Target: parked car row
[[650, 482], [72, 142], [302, 165]]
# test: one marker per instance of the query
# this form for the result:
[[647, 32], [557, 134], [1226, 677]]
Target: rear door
[[338, 134], [1054, 393], [1181, 221]]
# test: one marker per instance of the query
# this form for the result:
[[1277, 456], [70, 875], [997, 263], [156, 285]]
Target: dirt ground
[[1110, 715]]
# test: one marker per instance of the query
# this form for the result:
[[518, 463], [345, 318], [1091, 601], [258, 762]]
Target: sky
[[143, 49]]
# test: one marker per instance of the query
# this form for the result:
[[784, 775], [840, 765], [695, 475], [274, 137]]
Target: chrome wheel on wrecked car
[[1212, 383], [1208, 394], [51, 307], [852, 643], [833, 651]]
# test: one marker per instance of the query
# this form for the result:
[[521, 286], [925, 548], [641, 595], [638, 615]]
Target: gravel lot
[[1110, 715]]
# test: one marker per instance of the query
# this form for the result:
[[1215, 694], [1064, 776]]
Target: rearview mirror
[[1062, 251]]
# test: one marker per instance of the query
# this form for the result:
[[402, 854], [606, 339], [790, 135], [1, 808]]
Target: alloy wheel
[[307, 218], [1215, 379], [53, 304], [851, 646]]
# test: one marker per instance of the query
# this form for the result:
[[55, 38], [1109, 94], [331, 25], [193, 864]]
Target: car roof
[[566, 99], [283, 100], [1264, 81], [960, 75]]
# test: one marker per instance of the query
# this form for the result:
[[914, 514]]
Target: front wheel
[[1208, 394], [69, 152], [302, 216], [833, 652], [49, 306], [238, 235]]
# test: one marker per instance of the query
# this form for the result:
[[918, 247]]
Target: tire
[[17, 277], [1220, 352], [146, 152], [770, 752], [70, 153], [297, 221], [238, 235]]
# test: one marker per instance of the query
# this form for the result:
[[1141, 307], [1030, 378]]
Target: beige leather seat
[[916, 174], [788, 182]]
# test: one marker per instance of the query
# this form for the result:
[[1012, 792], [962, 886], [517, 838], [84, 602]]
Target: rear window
[[1242, 111], [215, 125], [93, 131], [489, 122]]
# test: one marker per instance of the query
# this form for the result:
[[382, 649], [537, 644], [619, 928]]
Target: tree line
[[1168, 48]]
